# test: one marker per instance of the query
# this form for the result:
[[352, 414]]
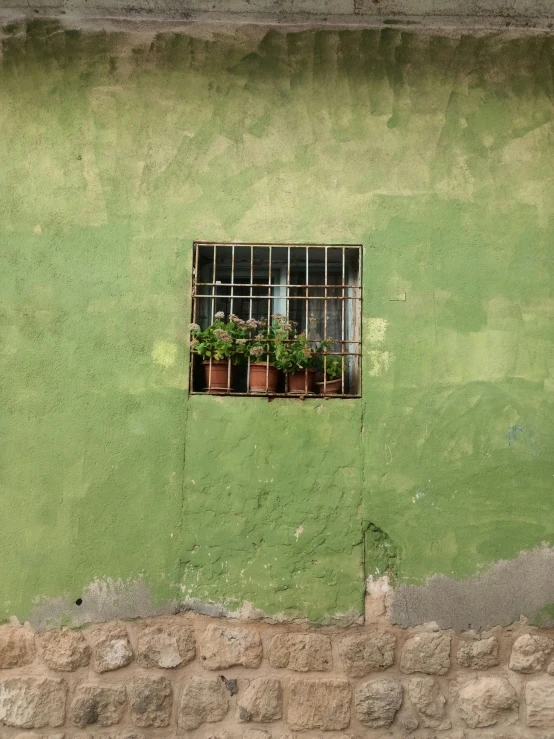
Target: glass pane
[[205, 264], [205, 288], [279, 279], [352, 266], [298, 291]]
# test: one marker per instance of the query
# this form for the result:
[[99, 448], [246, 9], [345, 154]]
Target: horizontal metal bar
[[276, 395], [271, 284], [318, 341], [334, 354], [292, 297], [274, 243]]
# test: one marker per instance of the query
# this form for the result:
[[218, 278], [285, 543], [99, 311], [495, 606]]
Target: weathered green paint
[[434, 153]]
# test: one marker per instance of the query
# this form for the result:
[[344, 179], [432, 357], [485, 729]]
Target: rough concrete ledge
[[475, 16]]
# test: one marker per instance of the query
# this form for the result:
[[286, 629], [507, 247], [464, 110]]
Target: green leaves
[[279, 342], [221, 340]]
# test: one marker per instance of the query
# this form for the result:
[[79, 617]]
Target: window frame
[[356, 301]]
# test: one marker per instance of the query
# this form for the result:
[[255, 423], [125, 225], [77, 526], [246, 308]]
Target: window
[[314, 290]]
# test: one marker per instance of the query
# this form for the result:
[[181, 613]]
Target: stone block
[[539, 699], [167, 644], [427, 699], [409, 722], [530, 652], [319, 704], [33, 702], [428, 652], [64, 651], [254, 734], [97, 704], [204, 700], [486, 700], [479, 654], [223, 647], [261, 701], [151, 702], [378, 701], [301, 652], [17, 646], [112, 649], [363, 653]]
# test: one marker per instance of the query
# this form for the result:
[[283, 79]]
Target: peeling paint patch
[[377, 328], [380, 362], [377, 586], [248, 612], [523, 586], [164, 353]]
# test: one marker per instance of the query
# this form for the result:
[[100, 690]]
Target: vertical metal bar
[[358, 304], [307, 293], [231, 311], [342, 318], [250, 316], [212, 316], [197, 250], [213, 286], [269, 282], [287, 288], [232, 277], [325, 329], [287, 303], [194, 281], [251, 278]]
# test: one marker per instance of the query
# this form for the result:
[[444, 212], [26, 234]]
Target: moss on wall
[[434, 153]]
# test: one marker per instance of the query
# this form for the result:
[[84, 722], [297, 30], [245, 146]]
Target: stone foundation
[[189, 675]]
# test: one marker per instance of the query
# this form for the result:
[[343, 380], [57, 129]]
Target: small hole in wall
[[79, 601]]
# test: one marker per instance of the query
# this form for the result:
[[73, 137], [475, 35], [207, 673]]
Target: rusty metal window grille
[[317, 286]]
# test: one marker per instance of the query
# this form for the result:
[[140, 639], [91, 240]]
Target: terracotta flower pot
[[217, 381], [301, 381], [263, 378], [331, 387]]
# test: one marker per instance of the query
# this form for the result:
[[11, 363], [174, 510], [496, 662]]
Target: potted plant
[[331, 367], [263, 374], [295, 357], [221, 346]]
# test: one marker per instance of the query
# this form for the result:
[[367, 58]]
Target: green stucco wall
[[116, 152]]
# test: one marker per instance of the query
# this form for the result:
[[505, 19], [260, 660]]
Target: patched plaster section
[[498, 597], [102, 600], [108, 600]]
